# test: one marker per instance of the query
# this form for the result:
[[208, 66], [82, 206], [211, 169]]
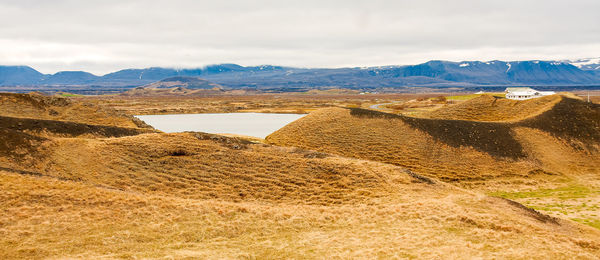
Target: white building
[[525, 93]]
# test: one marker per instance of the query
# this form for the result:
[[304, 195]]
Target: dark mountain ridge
[[434, 73]]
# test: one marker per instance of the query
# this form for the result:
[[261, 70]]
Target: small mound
[[491, 108], [37, 106], [20, 138], [563, 116], [172, 91], [29, 120], [186, 82], [66, 129], [177, 86], [492, 138], [420, 145]]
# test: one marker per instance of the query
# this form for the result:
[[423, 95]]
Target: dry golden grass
[[472, 153], [70, 190], [391, 140], [555, 146], [265, 103], [202, 166], [412, 107], [205, 196], [578, 200], [45, 217], [35, 106], [490, 108]]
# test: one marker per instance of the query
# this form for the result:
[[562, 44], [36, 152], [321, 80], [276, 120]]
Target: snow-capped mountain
[[586, 64], [436, 73]]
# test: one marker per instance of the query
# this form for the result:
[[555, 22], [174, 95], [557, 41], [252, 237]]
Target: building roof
[[522, 93], [520, 89], [531, 93]]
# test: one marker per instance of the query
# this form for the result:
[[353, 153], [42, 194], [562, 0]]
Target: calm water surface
[[251, 124]]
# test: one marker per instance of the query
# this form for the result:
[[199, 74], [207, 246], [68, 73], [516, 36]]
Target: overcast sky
[[104, 36]]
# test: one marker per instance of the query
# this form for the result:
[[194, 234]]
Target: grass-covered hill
[[37, 106], [28, 120], [198, 195], [144, 194], [559, 138], [491, 108], [178, 86]]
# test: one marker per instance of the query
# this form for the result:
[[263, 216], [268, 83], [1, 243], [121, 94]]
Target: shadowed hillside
[[570, 119], [36, 106], [28, 120], [470, 152], [20, 135], [563, 116], [66, 128]]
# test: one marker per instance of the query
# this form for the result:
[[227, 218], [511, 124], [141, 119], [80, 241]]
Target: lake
[[250, 124]]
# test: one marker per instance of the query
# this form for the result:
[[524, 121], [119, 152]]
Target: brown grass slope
[[66, 128], [202, 166], [37, 106], [73, 190], [564, 115], [28, 120], [491, 108], [45, 217], [470, 152], [570, 119], [207, 196], [20, 136]]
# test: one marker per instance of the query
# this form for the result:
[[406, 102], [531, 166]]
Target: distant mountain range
[[429, 74]]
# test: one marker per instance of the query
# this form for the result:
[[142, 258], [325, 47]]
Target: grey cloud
[[101, 36]]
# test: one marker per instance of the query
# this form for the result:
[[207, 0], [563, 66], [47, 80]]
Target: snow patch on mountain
[[586, 64]]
